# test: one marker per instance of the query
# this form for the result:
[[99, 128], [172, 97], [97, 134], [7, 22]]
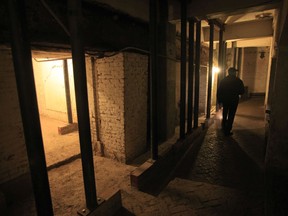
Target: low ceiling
[[245, 19], [252, 29]]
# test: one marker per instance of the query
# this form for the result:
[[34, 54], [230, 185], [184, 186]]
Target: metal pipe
[[22, 60], [211, 43], [190, 75], [183, 67], [152, 81], [67, 91], [96, 105], [80, 82], [197, 73]]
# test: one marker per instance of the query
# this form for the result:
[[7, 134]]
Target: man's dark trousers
[[229, 110]]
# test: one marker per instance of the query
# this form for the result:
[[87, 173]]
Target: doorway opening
[[53, 74]]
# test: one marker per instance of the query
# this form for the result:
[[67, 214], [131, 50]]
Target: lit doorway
[[53, 73]]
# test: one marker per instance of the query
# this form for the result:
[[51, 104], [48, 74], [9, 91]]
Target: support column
[[197, 73], [183, 68], [239, 60], [152, 80], [220, 56], [80, 81], [67, 91], [220, 61], [162, 72], [190, 75], [224, 59], [234, 53], [21, 52], [211, 43]]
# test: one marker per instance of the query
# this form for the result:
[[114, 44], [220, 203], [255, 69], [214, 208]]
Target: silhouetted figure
[[228, 95]]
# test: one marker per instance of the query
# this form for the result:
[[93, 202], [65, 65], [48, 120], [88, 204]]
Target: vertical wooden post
[[190, 76], [21, 52], [197, 73], [67, 91], [80, 81], [153, 81], [211, 43], [183, 67]]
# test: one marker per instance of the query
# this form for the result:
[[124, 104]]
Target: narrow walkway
[[228, 170]]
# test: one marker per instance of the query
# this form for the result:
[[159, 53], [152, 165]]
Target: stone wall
[[13, 155]]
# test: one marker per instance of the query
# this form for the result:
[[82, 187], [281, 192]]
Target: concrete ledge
[[152, 172], [68, 128], [109, 206]]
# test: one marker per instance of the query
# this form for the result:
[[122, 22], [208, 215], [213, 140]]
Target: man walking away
[[228, 95]]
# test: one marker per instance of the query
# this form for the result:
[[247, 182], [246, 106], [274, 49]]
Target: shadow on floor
[[221, 160], [124, 212]]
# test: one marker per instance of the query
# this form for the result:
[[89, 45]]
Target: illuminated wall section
[[49, 79]]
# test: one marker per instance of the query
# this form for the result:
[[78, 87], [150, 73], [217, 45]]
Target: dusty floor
[[212, 184], [58, 147]]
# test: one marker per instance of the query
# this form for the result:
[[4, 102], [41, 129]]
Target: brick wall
[[136, 92], [13, 156], [110, 85], [122, 95]]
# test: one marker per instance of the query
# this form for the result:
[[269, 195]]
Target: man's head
[[232, 71]]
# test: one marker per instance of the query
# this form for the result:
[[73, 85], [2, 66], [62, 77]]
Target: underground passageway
[[142, 80]]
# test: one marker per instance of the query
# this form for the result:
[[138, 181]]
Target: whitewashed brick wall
[[122, 93], [110, 81], [136, 90], [13, 155]]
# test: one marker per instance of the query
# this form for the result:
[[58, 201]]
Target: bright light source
[[215, 70]]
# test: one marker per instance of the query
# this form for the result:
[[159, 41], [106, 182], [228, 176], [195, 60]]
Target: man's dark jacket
[[229, 89]]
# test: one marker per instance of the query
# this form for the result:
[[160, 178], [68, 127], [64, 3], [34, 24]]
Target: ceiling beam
[[219, 8], [259, 42], [244, 30], [232, 19]]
